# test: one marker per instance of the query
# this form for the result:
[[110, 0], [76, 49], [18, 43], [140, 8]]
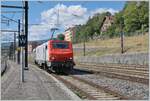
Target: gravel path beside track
[[129, 72], [127, 88]]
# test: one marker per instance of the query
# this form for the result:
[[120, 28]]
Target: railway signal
[[22, 41]]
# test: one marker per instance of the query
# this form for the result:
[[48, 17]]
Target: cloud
[[68, 16], [77, 10], [37, 32], [102, 10]]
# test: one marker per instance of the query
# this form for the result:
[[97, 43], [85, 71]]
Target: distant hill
[[6, 45], [37, 42]]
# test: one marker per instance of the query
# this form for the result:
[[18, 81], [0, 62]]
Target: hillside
[[112, 46], [132, 19]]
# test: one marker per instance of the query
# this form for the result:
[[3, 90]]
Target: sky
[[50, 14]]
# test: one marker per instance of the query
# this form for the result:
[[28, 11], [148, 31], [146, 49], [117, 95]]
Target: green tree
[[135, 15], [60, 36]]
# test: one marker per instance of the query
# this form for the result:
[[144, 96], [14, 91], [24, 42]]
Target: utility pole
[[22, 64], [22, 55], [122, 34], [84, 48], [14, 46], [122, 41], [26, 34], [58, 17], [18, 55]]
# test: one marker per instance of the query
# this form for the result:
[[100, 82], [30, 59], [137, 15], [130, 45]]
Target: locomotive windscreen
[[60, 45]]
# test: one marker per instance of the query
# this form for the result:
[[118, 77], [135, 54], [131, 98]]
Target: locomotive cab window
[[60, 45]]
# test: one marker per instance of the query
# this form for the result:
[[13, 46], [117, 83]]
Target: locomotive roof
[[58, 41], [51, 40]]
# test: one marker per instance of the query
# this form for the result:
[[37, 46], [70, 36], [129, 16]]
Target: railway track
[[134, 68], [86, 89], [89, 90], [116, 65], [126, 72]]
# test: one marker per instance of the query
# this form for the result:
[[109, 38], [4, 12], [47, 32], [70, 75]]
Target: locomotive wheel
[[35, 62], [41, 66], [45, 67]]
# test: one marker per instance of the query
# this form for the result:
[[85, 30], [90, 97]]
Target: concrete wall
[[132, 58]]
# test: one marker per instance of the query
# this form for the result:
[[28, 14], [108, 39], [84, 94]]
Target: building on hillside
[[107, 22], [32, 45], [69, 33], [30, 48]]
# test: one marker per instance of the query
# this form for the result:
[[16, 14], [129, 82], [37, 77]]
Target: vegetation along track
[[134, 73], [88, 90]]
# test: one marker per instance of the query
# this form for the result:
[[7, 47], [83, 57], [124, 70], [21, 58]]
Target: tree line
[[132, 19]]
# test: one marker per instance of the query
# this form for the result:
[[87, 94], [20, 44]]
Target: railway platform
[[38, 85]]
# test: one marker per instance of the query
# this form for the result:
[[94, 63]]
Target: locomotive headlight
[[53, 58], [70, 58]]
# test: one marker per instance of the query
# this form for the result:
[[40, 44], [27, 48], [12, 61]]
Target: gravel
[[124, 87]]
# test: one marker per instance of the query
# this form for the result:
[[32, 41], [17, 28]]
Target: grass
[[138, 43]]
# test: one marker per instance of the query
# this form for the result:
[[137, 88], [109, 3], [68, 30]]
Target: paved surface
[[3, 66], [38, 85]]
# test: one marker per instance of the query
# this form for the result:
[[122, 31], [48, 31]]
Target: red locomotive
[[55, 55]]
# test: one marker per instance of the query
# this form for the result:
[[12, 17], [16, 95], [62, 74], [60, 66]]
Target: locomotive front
[[61, 56]]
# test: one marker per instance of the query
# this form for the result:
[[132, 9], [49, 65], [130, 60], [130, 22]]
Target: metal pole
[[10, 6], [22, 64], [142, 30], [22, 61], [122, 36], [14, 46], [84, 47], [122, 50], [26, 33], [18, 60], [52, 34]]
